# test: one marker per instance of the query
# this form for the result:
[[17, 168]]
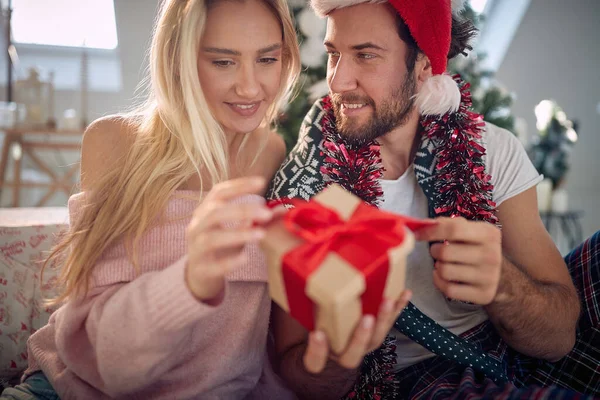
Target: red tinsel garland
[[357, 167], [463, 187]]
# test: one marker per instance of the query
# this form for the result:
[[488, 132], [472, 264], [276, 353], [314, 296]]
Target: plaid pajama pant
[[576, 376]]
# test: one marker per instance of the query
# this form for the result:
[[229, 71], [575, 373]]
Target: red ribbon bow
[[363, 241]]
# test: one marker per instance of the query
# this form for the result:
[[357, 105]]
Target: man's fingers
[[459, 230], [317, 351], [359, 344], [463, 291], [229, 190], [458, 273], [466, 254]]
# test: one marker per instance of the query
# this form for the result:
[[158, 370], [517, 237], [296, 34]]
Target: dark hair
[[463, 30]]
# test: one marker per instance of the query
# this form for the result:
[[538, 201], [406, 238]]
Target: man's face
[[371, 89]]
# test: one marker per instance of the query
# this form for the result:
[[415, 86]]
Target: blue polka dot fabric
[[437, 339]]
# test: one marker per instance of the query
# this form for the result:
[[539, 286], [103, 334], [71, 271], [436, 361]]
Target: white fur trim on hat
[[458, 6], [438, 95], [324, 7]]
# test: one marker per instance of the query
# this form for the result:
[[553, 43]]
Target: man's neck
[[398, 148]]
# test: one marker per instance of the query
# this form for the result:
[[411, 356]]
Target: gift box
[[333, 259]]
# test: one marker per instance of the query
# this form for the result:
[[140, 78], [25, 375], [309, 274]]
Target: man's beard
[[391, 113]]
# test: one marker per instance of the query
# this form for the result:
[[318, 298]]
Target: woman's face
[[239, 63]]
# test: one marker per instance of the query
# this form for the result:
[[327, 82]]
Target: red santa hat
[[430, 24]]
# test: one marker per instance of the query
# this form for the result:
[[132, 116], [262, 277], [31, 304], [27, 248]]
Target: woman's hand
[[219, 231]]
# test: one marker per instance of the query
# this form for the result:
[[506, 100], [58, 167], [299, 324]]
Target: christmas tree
[[310, 30], [489, 99], [551, 148]]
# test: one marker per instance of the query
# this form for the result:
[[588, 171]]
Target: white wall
[[555, 54], [134, 20]]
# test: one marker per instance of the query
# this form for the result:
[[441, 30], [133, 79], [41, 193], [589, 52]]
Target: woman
[[163, 297]]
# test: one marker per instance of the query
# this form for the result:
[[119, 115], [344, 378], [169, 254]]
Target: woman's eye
[[222, 63], [268, 60]]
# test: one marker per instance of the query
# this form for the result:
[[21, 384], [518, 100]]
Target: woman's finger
[[316, 354], [359, 344], [229, 190], [388, 314], [231, 215], [219, 241]]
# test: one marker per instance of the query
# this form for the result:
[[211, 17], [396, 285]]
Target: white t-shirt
[[512, 173]]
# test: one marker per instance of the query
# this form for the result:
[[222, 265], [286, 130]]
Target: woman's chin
[[242, 129]]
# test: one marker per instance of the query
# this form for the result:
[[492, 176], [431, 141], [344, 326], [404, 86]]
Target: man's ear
[[423, 70]]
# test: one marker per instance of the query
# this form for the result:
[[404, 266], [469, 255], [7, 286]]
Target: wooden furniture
[[28, 145]]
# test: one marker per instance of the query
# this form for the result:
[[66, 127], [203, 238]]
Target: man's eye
[[366, 56]]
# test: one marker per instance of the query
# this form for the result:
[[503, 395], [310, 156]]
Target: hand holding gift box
[[334, 259]]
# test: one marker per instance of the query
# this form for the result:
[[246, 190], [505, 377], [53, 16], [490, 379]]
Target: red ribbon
[[363, 241]]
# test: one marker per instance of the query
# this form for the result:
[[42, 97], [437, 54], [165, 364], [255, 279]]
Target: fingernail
[[387, 306], [264, 213], [258, 234], [319, 337], [368, 322]]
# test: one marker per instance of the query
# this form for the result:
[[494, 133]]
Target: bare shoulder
[[274, 154], [271, 155], [106, 142], [276, 147]]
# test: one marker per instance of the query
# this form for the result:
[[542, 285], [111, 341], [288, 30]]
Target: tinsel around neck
[[461, 185]]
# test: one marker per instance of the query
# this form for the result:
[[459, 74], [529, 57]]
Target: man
[[396, 131]]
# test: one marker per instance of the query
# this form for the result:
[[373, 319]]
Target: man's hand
[[368, 336], [468, 261]]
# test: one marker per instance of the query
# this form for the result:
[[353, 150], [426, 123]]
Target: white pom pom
[[438, 95], [458, 6]]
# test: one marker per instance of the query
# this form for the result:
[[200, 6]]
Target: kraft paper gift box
[[334, 259]]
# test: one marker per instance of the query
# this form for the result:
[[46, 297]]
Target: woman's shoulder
[[106, 142], [268, 152]]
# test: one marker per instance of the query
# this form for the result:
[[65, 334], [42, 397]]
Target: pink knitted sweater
[[147, 337]]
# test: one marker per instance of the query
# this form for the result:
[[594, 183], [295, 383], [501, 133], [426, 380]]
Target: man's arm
[[517, 274], [536, 307]]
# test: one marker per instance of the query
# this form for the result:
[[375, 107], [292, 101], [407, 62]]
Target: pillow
[[22, 294]]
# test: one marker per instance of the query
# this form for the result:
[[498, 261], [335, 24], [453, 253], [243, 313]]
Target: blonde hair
[[175, 136]]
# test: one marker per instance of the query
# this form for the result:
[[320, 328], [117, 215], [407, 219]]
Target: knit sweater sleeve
[[122, 337], [132, 327]]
